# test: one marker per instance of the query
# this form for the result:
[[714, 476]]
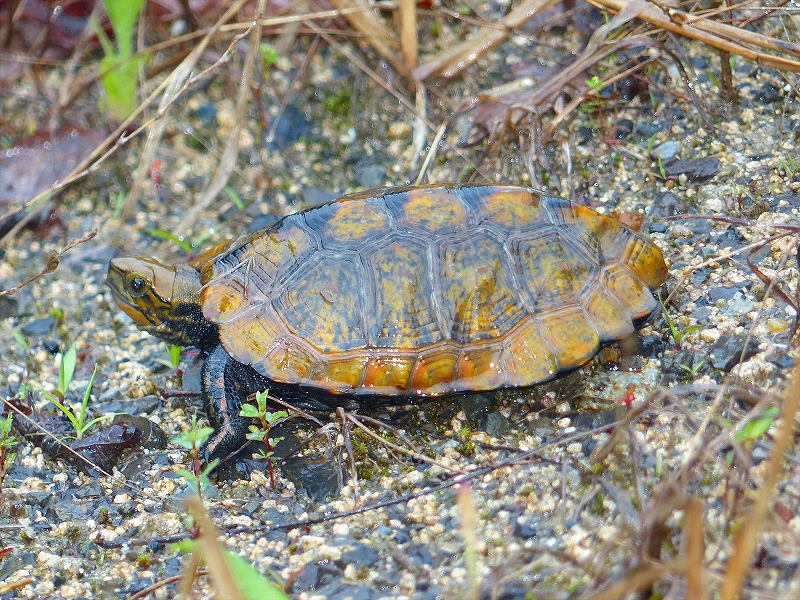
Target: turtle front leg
[[226, 385]]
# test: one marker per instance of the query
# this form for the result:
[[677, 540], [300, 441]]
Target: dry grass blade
[[454, 60], [469, 521], [639, 581], [228, 162], [175, 83], [719, 35], [408, 32], [5, 588], [740, 561], [695, 551], [367, 23], [221, 576], [357, 421], [188, 577]]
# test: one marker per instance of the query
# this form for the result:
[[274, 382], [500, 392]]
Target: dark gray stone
[[497, 425], [361, 555], [320, 478], [728, 351], [38, 327]]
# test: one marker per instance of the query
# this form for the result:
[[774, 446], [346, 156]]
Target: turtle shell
[[428, 291]]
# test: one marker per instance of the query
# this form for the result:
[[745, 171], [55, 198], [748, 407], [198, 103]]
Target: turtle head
[[163, 300]]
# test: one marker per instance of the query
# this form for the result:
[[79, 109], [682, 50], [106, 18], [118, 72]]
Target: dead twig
[[377, 35], [174, 85], [228, 163], [744, 544], [452, 61], [52, 264], [713, 33]]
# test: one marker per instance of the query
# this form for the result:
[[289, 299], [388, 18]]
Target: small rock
[[683, 365], [314, 577], [153, 437], [351, 592], [320, 478], [699, 276], [9, 307], [38, 498], [362, 556], [16, 560], [207, 113], [293, 125], [623, 128], [698, 170], [585, 134], [666, 150], [38, 327], [727, 352], [725, 293], [51, 346], [497, 425], [88, 491], [666, 204], [646, 129], [768, 94], [784, 362], [476, 407], [739, 305], [525, 529]]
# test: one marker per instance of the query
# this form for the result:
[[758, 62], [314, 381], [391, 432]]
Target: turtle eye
[[137, 286]]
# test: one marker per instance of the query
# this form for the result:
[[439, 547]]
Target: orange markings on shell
[[430, 291]]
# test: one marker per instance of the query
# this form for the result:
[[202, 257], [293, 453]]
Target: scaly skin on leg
[[226, 386]]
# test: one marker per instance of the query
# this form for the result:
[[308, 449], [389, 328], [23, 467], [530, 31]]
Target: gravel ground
[[549, 521]]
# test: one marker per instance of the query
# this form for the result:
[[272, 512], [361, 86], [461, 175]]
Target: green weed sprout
[[677, 334], [187, 245], [57, 396], [691, 372], [755, 428], [121, 71], [174, 355], [192, 439], [261, 434], [7, 444]]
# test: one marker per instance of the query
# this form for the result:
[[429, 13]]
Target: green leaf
[[193, 437], [123, 15], [235, 198], [174, 355], [108, 47], [86, 395], [170, 237], [594, 83], [757, 427], [679, 335], [67, 369], [120, 84], [253, 584], [256, 434], [249, 412], [63, 408], [20, 339], [269, 54], [274, 417]]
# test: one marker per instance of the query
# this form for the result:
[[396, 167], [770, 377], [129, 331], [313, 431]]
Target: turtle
[[396, 296]]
